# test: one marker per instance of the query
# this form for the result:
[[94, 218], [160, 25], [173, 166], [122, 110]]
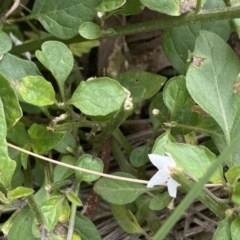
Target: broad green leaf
[[158, 147], [62, 18], [11, 106], [119, 192], [18, 134], [61, 172], [160, 201], [88, 162], [35, 90], [67, 144], [78, 49], [223, 231], [22, 68], [6, 43], [7, 165], [43, 140], [126, 219], [85, 228], [142, 85], [73, 198], [98, 97], [176, 45], [56, 57], [22, 225], [170, 7], [158, 112], [235, 229], [139, 156], [20, 192], [51, 209], [211, 83], [109, 5], [175, 94], [90, 30], [194, 159], [131, 7]]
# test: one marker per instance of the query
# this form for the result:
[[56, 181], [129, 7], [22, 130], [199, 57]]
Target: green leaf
[[86, 161], [131, 7], [78, 49], [43, 140], [194, 159], [67, 144], [176, 45], [56, 57], [51, 209], [139, 156], [175, 94], [170, 7], [62, 18], [90, 30], [85, 228], [236, 21], [211, 83], [160, 201], [60, 172], [11, 106], [233, 175], [3, 198], [223, 231], [35, 90], [236, 194], [24, 156], [119, 192], [142, 85], [73, 198], [142, 203], [235, 229], [6, 43], [109, 5], [98, 97], [22, 225], [126, 219], [20, 192], [7, 166], [22, 68]]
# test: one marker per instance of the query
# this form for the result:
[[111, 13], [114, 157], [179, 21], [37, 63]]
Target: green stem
[[198, 6], [154, 25], [164, 230], [73, 215]]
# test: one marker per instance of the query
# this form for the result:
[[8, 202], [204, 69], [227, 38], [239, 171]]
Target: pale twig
[[13, 8], [92, 172]]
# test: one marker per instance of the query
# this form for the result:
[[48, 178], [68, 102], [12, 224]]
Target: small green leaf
[[67, 142], [62, 19], [126, 219], [119, 192], [142, 203], [194, 159], [98, 97], [130, 8], [142, 85], [86, 161], [73, 198], [223, 231], [60, 172], [236, 194], [6, 43], [11, 105], [139, 156], [235, 229], [90, 30], [20, 192], [35, 90], [233, 175], [85, 228], [108, 6], [56, 57], [78, 49], [24, 156], [51, 209], [175, 94], [43, 140], [160, 201], [66, 211]]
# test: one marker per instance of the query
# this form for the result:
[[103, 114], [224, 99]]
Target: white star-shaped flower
[[163, 163]]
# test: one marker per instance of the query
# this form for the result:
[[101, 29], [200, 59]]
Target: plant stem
[[154, 25], [73, 215]]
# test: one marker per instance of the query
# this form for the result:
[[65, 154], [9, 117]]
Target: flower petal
[[159, 178], [172, 187], [161, 161]]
